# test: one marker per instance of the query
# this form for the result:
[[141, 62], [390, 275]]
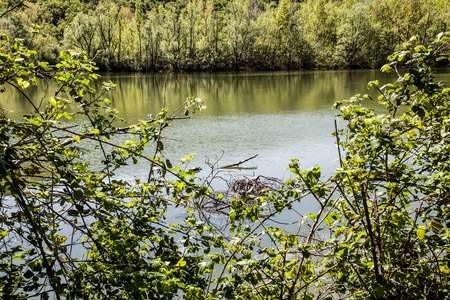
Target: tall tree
[[191, 17], [109, 28], [82, 34], [153, 34], [355, 34], [139, 20], [239, 32], [175, 45], [319, 21], [402, 18], [283, 22]]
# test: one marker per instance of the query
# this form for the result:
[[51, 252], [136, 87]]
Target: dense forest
[[214, 35]]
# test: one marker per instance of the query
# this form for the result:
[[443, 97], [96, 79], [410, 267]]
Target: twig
[[14, 7], [336, 131], [239, 162]]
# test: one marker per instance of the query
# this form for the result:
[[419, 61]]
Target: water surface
[[277, 115]]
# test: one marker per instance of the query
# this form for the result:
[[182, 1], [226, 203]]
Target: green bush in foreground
[[72, 229], [391, 237]]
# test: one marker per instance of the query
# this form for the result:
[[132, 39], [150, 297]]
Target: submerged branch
[[239, 162]]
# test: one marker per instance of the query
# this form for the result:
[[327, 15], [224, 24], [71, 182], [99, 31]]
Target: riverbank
[[230, 35]]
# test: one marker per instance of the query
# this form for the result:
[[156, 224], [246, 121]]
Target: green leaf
[[386, 68], [73, 213], [181, 263], [373, 83], [68, 116], [421, 232], [108, 205], [169, 164], [22, 83], [28, 274], [375, 143], [78, 194], [419, 111], [64, 55], [138, 280]]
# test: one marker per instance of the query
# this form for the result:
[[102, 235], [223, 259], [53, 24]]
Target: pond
[[277, 115]]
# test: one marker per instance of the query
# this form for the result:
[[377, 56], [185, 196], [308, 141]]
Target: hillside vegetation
[[145, 35]]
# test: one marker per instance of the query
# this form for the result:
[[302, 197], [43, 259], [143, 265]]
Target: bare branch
[[13, 8], [239, 162]]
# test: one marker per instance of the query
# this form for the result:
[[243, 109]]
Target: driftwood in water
[[239, 162], [197, 169]]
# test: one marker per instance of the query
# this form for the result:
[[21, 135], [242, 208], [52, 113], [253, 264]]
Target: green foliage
[[393, 211], [355, 36], [69, 228], [200, 35], [83, 34], [56, 14], [74, 229]]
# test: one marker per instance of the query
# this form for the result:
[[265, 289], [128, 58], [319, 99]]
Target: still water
[[277, 115]]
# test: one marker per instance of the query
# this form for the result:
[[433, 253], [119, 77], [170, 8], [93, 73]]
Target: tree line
[[200, 35]]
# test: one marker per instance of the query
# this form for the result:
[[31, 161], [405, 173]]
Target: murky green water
[[278, 115]]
